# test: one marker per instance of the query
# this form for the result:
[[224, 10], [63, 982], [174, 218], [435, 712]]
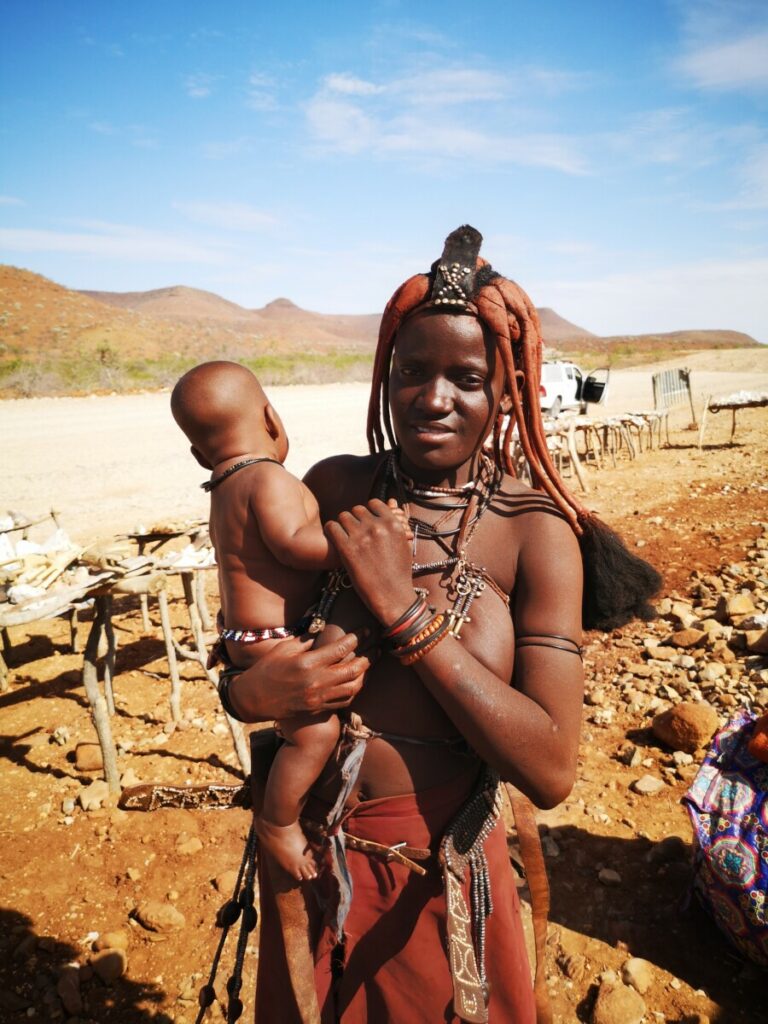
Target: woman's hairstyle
[[617, 584]]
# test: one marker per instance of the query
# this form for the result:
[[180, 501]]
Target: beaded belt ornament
[[255, 636]]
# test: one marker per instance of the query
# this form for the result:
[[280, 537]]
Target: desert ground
[[618, 860]]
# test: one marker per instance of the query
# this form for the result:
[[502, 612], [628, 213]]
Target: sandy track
[[110, 463]]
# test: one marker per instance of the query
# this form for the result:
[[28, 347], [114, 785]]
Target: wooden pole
[[95, 698]]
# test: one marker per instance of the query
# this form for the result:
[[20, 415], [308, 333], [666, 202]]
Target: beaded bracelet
[[423, 638], [432, 641]]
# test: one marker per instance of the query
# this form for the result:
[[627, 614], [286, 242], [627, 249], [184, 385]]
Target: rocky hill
[[55, 340]]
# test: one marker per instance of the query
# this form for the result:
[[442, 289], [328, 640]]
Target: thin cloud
[[198, 86], [113, 241], [260, 93], [349, 85], [227, 215], [11, 201], [739, 64], [435, 114]]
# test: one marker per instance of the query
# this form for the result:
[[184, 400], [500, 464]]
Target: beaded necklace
[[472, 501]]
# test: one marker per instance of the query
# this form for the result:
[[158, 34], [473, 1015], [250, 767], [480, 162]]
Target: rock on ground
[[159, 917], [686, 726], [617, 1004]]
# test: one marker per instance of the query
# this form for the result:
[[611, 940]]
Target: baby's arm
[[289, 523]]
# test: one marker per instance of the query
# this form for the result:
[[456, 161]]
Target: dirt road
[[110, 463]]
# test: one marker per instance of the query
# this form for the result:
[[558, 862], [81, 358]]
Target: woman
[[479, 676]]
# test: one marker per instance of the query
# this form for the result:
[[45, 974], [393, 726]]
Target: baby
[[270, 549]]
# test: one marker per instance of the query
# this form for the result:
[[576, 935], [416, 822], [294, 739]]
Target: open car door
[[594, 388]]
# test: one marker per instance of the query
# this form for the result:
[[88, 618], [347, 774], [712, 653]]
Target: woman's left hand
[[374, 549]]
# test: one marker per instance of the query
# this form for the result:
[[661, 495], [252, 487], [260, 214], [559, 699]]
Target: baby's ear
[[201, 458]]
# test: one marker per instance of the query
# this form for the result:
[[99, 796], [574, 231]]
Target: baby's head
[[223, 410]]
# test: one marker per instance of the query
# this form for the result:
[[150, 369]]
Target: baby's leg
[[309, 742]]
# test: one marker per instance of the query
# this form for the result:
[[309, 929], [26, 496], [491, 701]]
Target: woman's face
[[445, 386]]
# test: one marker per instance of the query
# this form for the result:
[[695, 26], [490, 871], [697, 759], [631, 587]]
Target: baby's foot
[[287, 845]]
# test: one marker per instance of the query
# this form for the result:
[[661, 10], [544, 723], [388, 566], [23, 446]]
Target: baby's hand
[[401, 517]]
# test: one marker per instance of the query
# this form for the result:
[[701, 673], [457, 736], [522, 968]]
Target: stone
[[757, 641], [159, 917], [110, 964], [739, 604], [637, 973], [129, 778], [68, 989], [617, 1004], [61, 735], [687, 726], [112, 940], [640, 670], [189, 846], [662, 653], [92, 797], [630, 755], [225, 882], [67, 805], [647, 785], [88, 757], [607, 876], [688, 637], [12, 1002], [751, 622], [574, 966], [681, 758], [711, 672]]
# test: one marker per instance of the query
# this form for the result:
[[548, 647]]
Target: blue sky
[[614, 154]]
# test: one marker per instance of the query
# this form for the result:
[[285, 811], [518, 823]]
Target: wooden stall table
[[738, 400], [150, 541]]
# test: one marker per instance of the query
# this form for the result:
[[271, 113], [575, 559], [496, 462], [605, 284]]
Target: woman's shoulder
[[342, 481], [518, 499]]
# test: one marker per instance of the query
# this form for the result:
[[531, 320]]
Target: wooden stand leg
[[96, 700], [704, 412], [575, 458], [145, 613], [170, 651], [202, 604], [200, 654], [109, 661], [74, 644]]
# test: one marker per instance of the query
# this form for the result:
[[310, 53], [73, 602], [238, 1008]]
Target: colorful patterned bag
[[728, 805]]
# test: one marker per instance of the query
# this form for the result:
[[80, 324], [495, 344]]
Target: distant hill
[[55, 340], [280, 320], [555, 329], [285, 320]]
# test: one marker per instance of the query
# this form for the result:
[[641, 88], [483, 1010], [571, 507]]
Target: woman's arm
[[529, 732]]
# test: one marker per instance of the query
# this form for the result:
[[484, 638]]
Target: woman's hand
[[373, 546], [293, 678]]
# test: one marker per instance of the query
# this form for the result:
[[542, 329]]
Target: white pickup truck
[[563, 386]]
